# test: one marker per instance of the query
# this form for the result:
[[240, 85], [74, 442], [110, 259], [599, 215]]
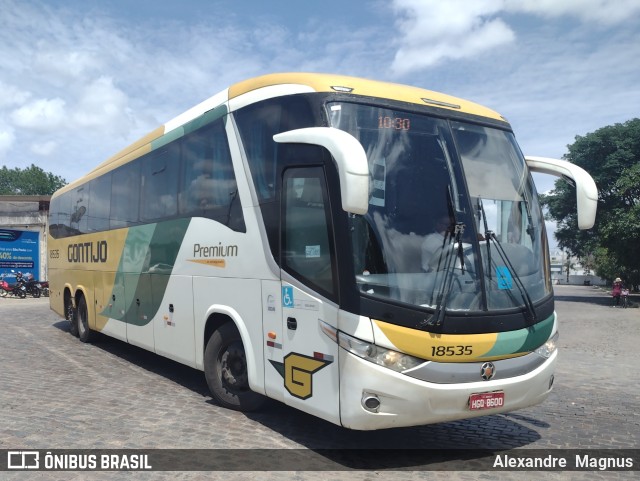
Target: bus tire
[[85, 334], [70, 314], [225, 368]]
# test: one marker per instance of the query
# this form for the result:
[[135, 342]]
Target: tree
[[29, 181], [612, 156]]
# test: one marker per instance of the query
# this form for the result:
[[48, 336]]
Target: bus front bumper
[[373, 397]]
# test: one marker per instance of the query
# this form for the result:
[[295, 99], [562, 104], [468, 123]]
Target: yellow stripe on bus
[[439, 347]]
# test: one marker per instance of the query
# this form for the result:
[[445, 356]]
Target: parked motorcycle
[[18, 289], [45, 288], [33, 287]]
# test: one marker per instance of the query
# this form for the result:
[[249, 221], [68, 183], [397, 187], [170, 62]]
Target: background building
[[23, 234], [566, 269]]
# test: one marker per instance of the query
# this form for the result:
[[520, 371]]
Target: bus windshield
[[453, 221]]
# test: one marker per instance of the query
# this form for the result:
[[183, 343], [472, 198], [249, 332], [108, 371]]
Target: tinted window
[[191, 176], [160, 171], [125, 194], [258, 124], [208, 186], [307, 250], [99, 205]]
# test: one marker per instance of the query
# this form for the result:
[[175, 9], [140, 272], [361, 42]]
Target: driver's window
[[307, 248]]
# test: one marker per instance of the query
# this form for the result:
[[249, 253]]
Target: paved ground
[[57, 393]]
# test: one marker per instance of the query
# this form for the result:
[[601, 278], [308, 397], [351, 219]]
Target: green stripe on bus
[[150, 252], [195, 124], [522, 340]]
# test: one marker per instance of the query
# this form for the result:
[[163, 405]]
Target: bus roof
[[361, 86], [312, 82]]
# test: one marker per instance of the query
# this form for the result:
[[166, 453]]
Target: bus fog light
[[370, 402]]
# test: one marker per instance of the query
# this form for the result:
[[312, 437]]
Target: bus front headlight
[[381, 356], [548, 347]]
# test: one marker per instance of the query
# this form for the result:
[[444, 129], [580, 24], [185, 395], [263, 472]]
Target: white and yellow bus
[[370, 253]]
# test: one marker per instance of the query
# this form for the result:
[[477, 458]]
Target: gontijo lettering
[[87, 252]]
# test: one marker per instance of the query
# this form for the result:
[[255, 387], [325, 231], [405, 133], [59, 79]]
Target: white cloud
[[64, 61], [7, 138], [40, 114], [44, 148], [434, 30], [12, 95], [606, 12], [101, 104], [99, 79]]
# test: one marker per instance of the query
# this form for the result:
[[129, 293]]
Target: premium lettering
[[215, 251], [87, 252]]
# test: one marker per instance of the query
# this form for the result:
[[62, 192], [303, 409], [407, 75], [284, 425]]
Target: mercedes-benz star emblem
[[488, 371]]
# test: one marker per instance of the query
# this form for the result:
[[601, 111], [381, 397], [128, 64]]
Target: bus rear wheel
[[85, 334], [225, 368]]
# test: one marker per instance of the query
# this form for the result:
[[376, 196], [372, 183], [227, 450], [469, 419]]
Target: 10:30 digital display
[[396, 123]]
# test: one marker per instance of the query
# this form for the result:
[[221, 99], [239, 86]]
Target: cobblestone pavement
[[57, 393]]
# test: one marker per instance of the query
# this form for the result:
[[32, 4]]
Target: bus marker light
[[271, 335], [322, 357]]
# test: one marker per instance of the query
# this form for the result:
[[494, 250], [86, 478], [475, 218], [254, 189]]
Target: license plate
[[486, 400]]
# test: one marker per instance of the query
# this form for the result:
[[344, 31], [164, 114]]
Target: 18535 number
[[446, 351]]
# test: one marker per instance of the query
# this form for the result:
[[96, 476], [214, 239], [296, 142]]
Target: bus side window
[[160, 183], [208, 187], [307, 250], [125, 195], [99, 205], [79, 204], [62, 215], [258, 123]]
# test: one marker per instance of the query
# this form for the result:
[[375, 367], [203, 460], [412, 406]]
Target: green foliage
[[29, 181], [612, 156]]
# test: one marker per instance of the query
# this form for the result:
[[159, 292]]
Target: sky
[[82, 79]]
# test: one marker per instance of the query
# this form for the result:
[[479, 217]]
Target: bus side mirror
[[586, 190], [353, 168]]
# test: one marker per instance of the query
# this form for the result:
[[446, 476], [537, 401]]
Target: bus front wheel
[[225, 368]]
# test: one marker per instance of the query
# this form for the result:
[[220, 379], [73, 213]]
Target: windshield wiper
[[437, 319], [530, 316]]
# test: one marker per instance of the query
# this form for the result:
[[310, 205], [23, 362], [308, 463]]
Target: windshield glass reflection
[[423, 239]]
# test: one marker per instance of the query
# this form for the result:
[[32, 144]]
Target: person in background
[[616, 291]]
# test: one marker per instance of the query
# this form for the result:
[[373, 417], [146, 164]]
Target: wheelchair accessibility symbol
[[287, 296]]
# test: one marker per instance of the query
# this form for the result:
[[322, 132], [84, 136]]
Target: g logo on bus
[[487, 371], [298, 371]]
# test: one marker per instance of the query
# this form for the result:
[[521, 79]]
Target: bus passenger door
[[310, 358]]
